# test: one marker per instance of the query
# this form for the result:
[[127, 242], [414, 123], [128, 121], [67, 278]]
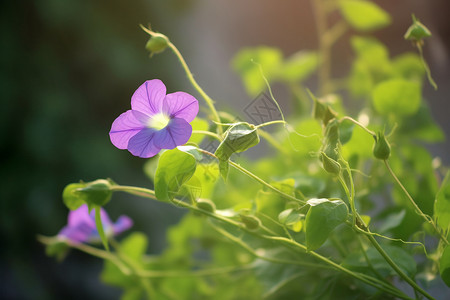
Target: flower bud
[[156, 44], [96, 193], [329, 164], [206, 205], [417, 31], [251, 222], [381, 148]]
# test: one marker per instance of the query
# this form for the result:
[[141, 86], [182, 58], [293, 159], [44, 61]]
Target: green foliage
[[397, 96], [294, 69], [373, 262], [270, 60], [444, 265], [364, 15], [132, 251], [442, 204], [280, 220], [175, 167], [238, 138], [322, 218]]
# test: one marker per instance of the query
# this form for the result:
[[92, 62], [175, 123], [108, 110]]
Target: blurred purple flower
[[81, 225], [156, 121]]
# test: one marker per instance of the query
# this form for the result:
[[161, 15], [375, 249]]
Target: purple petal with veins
[[126, 126], [176, 133], [142, 144], [149, 97], [181, 105]]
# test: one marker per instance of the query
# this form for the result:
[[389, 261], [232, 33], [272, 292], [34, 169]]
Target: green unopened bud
[[156, 44], [251, 222], [329, 164], [381, 148], [206, 204], [318, 109], [417, 31], [96, 193]]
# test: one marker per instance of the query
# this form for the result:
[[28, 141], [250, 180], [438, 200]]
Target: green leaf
[[99, 225], [364, 15], [270, 60], [422, 126], [273, 276], [238, 138], [397, 96], [72, 199], [442, 204], [175, 167], [323, 216], [408, 66], [133, 247], [292, 219], [345, 131], [444, 265], [393, 220], [299, 66], [198, 124], [357, 261]]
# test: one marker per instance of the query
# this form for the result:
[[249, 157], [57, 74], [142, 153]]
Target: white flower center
[[158, 121]]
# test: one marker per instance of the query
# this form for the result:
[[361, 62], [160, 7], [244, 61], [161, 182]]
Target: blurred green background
[[69, 68]]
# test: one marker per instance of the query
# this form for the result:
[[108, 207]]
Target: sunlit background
[[69, 68]]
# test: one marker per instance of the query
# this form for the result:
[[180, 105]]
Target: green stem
[[428, 219], [350, 199], [251, 175], [367, 279], [360, 125], [324, 47], [379, 284], [99, 225], [270, 123], [272, 141], [427, 68], [191, 78], [266, 258], [89, 250], [366, 257], [208, 133], [396, 268]]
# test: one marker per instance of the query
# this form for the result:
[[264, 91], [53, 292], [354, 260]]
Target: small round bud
[[417, 31], [329, 164], [96, 193], [251, 222], [156, 44], [381, 148], [206, 204]]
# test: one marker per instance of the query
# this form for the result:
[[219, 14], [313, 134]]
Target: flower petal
[[122, 224], [149, 97], [181, 105], [176, 133], [126, 126], [142, 144]]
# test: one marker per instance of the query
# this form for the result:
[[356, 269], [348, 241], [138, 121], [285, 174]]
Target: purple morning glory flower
[[156, 121], [81, 225]]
